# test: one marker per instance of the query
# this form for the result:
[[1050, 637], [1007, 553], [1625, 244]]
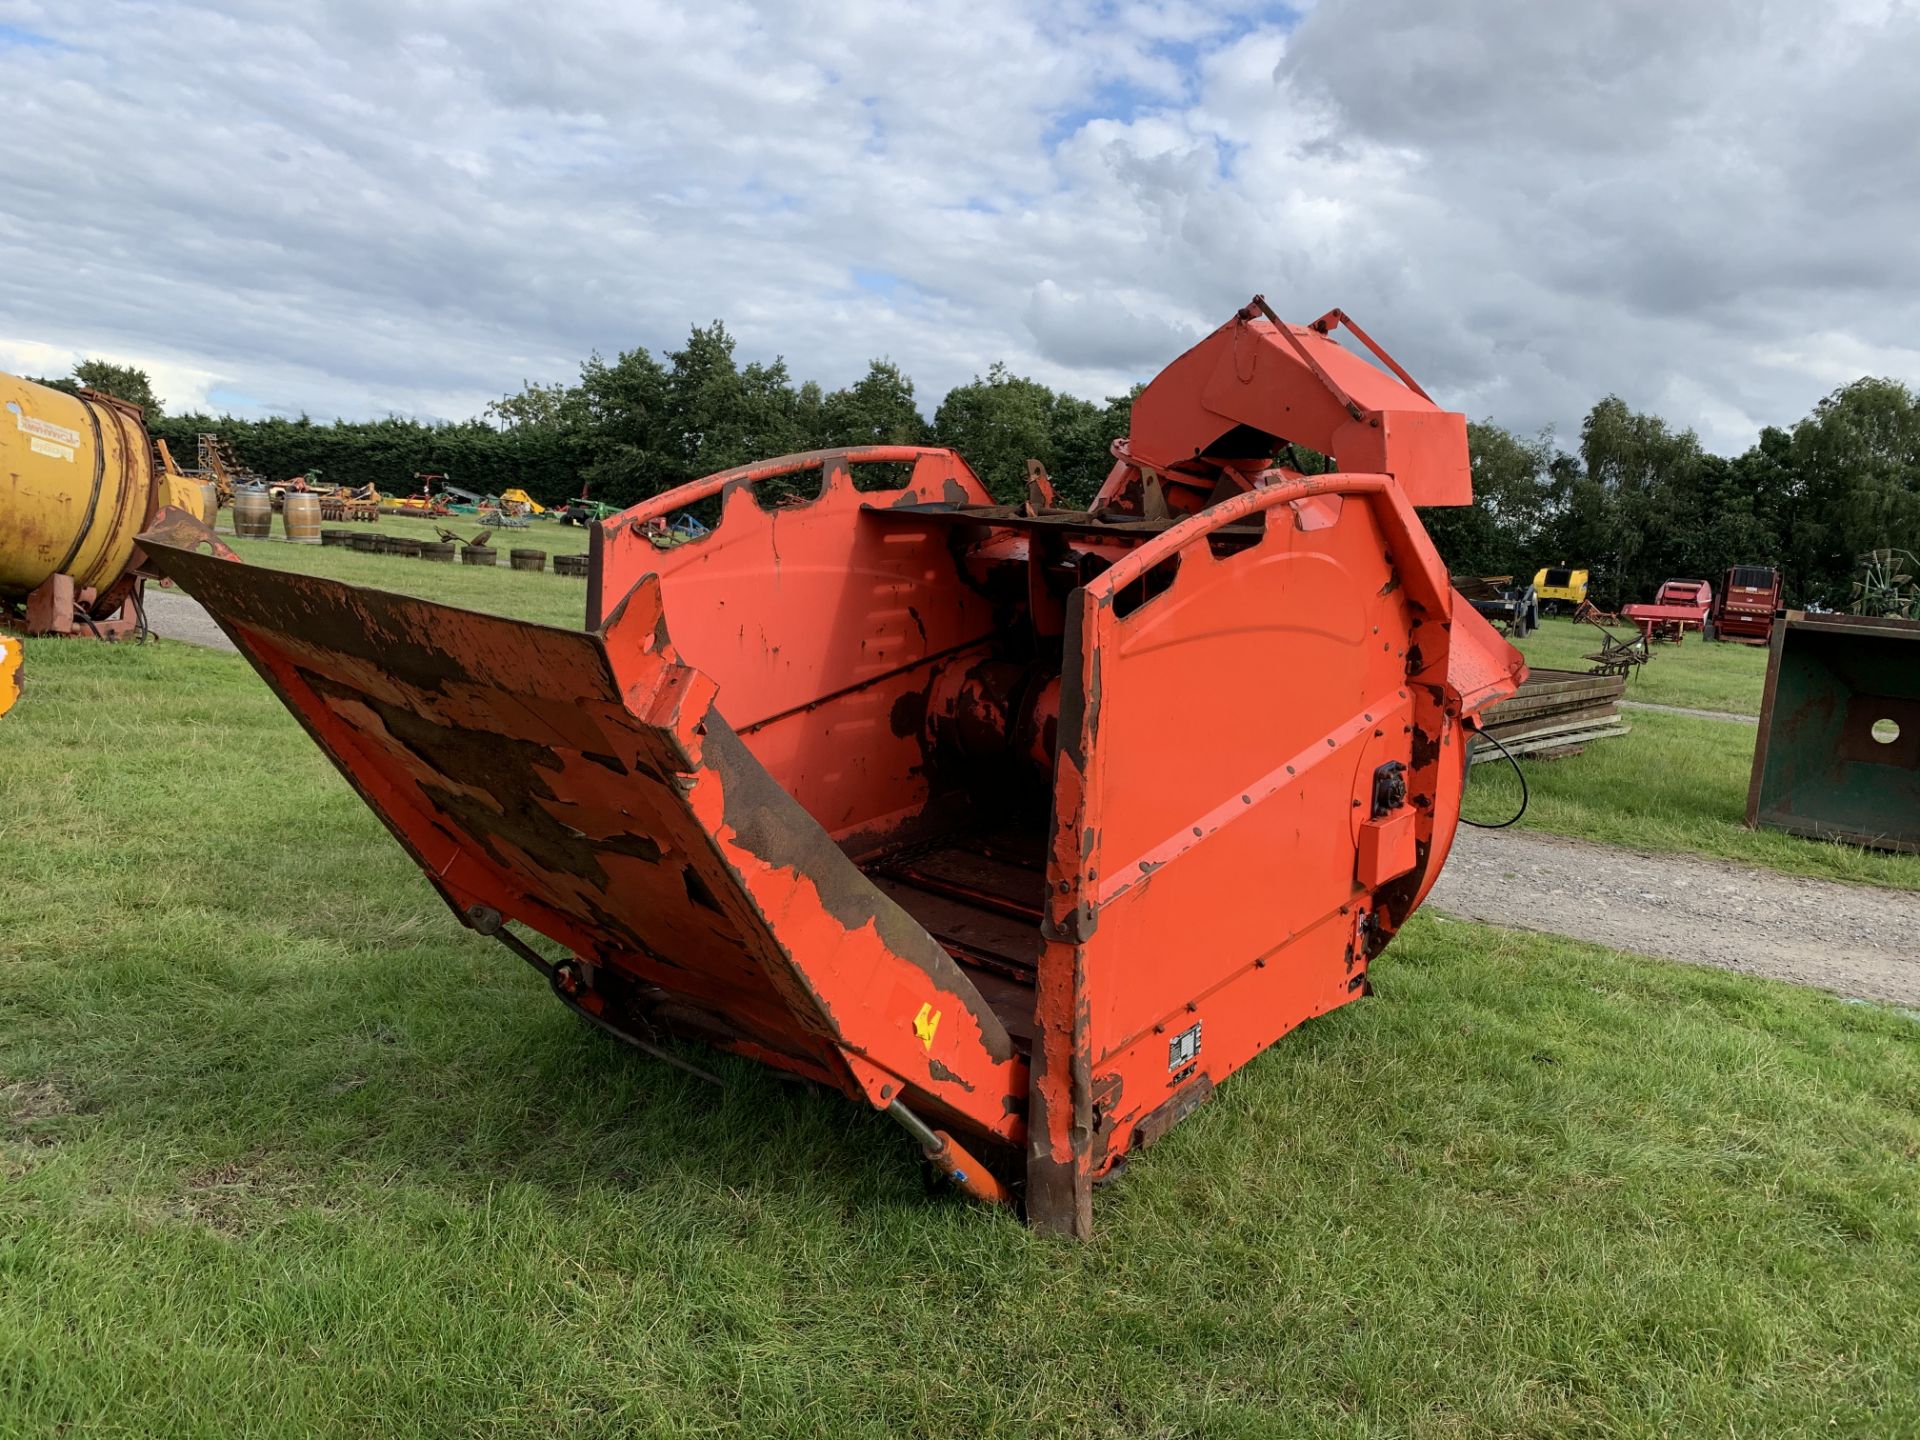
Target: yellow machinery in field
[[77, 482], [1560, 587], [11, 652], [520, 497]]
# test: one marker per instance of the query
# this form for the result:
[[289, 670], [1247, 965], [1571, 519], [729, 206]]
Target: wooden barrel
[[336, 537], [528, 559], [252, 514], [574, 565], [366, 541], [300, 518], [210, 494], [400, 545], [436, 552], [479, 555]]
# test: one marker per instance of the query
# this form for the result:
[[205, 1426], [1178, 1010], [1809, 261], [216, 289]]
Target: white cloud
[[393, 205]]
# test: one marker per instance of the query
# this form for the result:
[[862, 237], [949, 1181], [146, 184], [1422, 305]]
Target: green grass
[[1675, 783], [284, 1151], [1695, 674], [547, 598]]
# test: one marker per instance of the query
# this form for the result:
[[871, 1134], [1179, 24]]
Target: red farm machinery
[[1743, 611], [1679, 606], [1024, 824]]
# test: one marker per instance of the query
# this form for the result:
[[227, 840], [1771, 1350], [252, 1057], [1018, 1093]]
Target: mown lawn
[[548, 598], [1678, 783], [1701, 676], [283, 1150]]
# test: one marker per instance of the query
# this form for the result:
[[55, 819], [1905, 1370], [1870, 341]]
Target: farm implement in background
[[1743, 610], [1885, 587], [1561, 588], [1680, 606], [1023, 824], [1514, 608]]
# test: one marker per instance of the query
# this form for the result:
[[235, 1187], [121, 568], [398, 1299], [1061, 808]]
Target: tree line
[[1636, 501]]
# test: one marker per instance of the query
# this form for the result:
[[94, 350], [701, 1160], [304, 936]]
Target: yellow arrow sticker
[[925, 1023]]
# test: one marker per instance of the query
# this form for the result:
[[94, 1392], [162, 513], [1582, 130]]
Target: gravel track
[[175, 615], [1732, 716], [1855, 940]]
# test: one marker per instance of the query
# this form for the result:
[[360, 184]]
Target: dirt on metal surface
[[1026, 825], [1855, 940]]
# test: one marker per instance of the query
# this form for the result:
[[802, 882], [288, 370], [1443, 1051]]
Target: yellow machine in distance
[[1560, 585]]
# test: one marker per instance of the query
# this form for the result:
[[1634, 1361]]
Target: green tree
[[877, 409], [556, 406], [1635, 514], [1854, 467], [997, 424], [123, 382], [1080, 442], [631, 445], [1514, 488]]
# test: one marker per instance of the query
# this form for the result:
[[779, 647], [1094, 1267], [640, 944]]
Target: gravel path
[[1856, 940], [1735, 717], [176, 615]]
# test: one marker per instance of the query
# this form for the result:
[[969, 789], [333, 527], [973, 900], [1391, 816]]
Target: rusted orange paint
[[1101, 791]]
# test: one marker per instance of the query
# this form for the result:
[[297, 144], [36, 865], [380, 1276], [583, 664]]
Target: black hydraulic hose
[[1519, 773]]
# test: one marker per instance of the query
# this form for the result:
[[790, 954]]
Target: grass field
[[1695, 674], [285, 1151], [546, 597]]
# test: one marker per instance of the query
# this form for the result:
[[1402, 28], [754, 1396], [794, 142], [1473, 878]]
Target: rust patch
[[767, 821], [940, 1072], [909, 713]]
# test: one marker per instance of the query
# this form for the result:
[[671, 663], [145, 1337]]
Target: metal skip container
[[1024, 824], [1838, 754]]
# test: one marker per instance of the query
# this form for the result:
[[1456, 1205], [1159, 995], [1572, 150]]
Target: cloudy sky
[[1711, 207]]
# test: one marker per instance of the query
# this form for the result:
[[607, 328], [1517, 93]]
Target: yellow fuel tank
[[77, 483]]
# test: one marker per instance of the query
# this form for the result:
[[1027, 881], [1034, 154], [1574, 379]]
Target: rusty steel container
[[252, 514], [300, 518], [77, 483], [527, 559], [1838, 753], [1025, 825], [479, 555]]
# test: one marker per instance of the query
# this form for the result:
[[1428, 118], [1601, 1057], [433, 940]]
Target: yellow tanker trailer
[[77, 483]]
